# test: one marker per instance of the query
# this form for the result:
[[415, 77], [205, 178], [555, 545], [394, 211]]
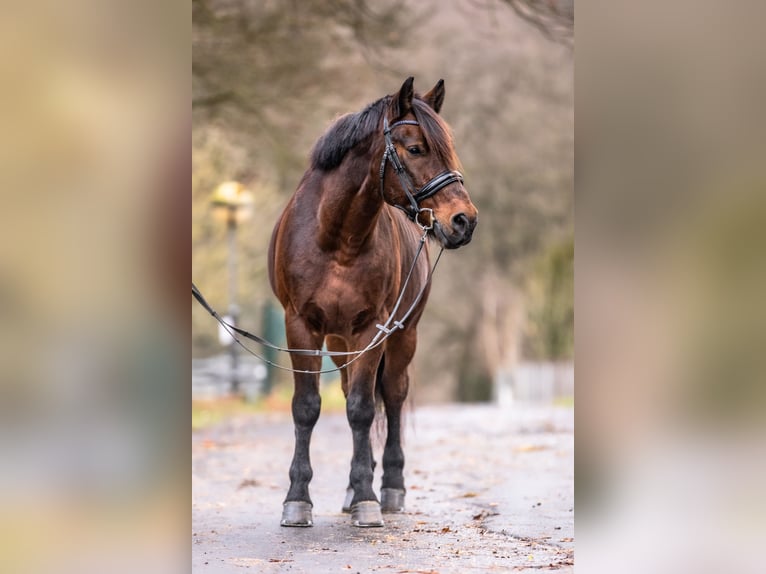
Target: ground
[[489, 490]]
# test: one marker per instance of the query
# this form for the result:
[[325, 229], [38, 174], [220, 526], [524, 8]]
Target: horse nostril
[[460, 222]]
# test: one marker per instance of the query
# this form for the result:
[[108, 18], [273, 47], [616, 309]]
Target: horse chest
[[346, 299]]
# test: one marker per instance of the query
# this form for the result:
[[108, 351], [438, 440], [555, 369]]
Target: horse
[[338, 260]]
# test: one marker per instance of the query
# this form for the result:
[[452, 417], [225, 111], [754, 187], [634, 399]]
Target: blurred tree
[[549, 332], [510, 101], [554, 18], [260, 65]]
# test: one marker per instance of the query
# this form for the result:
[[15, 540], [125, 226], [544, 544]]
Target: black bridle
[[414, 196]]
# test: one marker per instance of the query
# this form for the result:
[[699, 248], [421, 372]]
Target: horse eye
[[414, 150]]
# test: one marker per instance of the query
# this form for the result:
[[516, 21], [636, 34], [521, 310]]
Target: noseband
[[414, 196]]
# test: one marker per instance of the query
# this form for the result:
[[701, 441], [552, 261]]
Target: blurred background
[[269, 77], [94, 177], [669, 290]]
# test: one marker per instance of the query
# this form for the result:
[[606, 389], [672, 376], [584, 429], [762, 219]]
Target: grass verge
[[207, 413]]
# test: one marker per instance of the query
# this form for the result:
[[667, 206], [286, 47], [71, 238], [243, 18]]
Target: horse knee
[[306, 409], [360, 410]]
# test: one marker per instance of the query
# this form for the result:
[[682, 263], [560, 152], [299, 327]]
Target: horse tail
[[380, 424]]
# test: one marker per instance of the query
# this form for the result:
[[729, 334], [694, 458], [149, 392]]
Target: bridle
[[414, 196]]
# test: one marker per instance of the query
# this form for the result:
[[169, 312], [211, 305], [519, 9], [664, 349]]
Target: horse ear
[[404, 98], [435, 98]]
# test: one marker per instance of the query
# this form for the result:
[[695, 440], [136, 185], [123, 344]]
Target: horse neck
[[350, 209]]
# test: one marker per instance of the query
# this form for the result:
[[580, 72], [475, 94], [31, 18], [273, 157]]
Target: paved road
[[489, 490]]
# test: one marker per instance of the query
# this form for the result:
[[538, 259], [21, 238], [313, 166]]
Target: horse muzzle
[[459, 232]]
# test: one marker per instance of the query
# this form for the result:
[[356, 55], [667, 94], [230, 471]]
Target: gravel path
[[489, 490]]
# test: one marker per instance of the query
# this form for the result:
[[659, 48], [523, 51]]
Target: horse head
[[419, 167]]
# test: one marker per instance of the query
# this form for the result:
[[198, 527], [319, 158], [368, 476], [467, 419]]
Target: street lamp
[[233, 202]]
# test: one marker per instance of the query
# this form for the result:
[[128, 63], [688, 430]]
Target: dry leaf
[[530, 448]]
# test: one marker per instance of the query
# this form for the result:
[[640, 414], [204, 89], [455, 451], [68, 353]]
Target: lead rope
[[384, 331]]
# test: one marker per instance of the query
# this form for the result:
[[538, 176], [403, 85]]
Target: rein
[[414, 196], [384, 331]]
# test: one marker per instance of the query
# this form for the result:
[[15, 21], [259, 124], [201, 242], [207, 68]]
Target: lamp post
[[233, 202]]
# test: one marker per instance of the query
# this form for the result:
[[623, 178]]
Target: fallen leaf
[[530, 448], [484, 514]]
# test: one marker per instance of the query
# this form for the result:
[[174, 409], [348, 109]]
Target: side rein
[[414, 196]]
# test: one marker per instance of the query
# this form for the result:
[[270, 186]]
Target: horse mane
[[346, 133], [351, 130]]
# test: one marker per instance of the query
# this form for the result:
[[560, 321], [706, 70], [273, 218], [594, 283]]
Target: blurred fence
[[211, 377], [534, 383]]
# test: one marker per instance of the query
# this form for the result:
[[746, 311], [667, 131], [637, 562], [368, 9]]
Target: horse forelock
[[436, 132]]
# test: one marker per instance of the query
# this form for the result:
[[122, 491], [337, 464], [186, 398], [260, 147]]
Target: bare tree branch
[[212, 100], [553, 18]]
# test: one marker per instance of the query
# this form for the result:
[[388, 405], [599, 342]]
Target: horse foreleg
[[360, 410], [305, 409]]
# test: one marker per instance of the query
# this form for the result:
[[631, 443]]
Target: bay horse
[[338, 258]]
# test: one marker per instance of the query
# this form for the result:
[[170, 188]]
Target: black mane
[[346, 133], [351, 130]]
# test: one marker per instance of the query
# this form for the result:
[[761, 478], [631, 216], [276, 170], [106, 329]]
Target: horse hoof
[[347, 503], [392, 499], [296, 513], [366, 514]]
